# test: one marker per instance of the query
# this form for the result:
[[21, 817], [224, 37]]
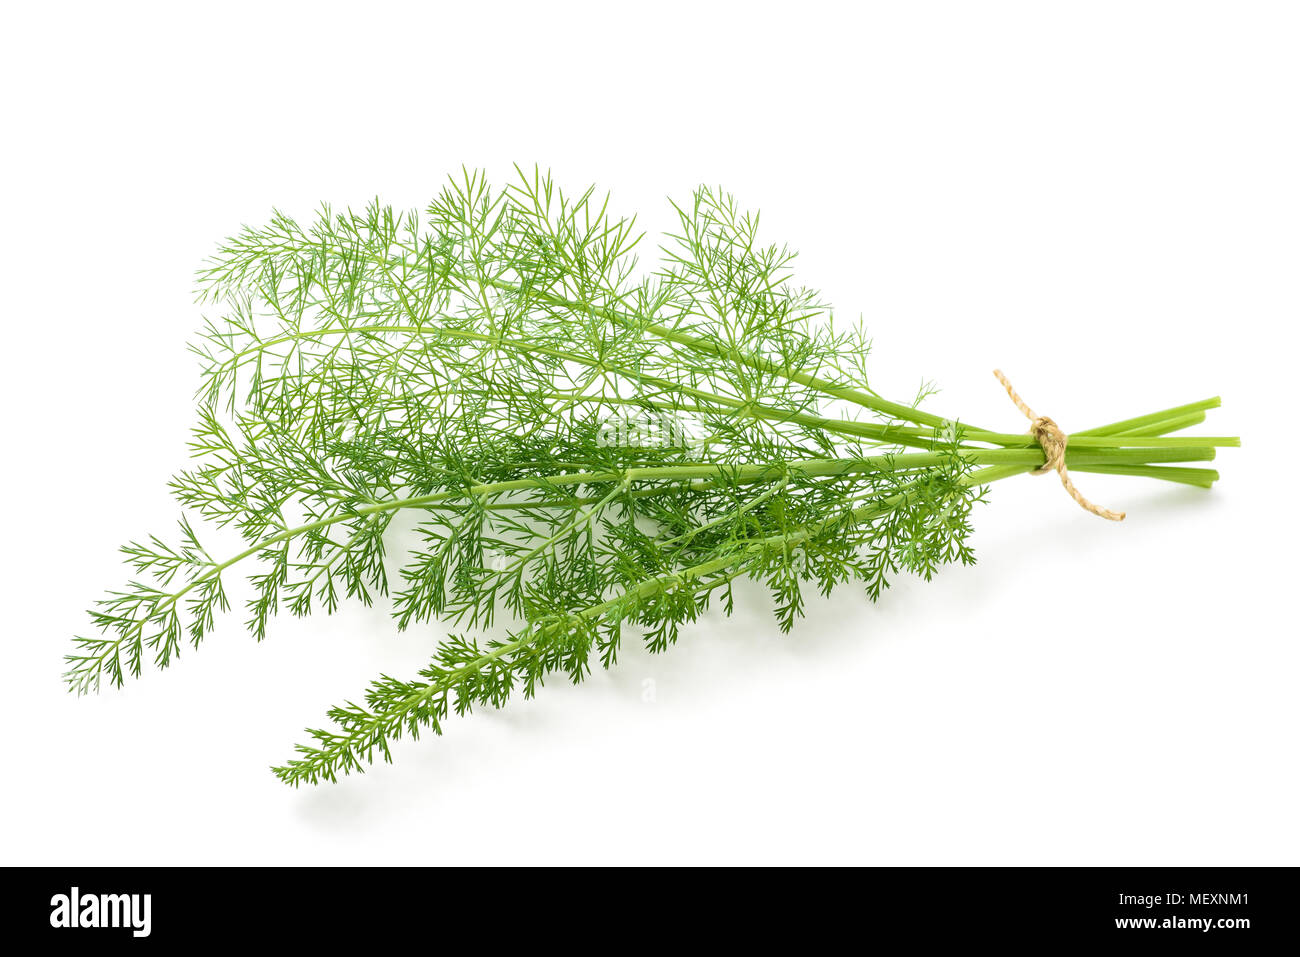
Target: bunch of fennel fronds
[[587, 450]]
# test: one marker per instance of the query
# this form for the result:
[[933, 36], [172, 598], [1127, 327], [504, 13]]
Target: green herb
[[590, 450]]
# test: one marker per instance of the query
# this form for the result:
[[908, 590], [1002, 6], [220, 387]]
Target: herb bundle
[[590, 452]]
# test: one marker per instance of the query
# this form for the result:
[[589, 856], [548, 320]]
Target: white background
[[1101, 198]]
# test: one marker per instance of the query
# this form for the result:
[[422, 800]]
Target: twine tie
[[1053, 441]]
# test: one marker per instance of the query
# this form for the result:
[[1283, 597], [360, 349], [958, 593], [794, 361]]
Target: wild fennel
[[589, 450]]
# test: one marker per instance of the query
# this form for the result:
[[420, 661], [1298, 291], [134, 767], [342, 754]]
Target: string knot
[[1049, 435], [1053, 441]]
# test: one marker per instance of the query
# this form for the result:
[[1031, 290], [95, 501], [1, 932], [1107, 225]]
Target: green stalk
[[1152, 418], [881, 433]]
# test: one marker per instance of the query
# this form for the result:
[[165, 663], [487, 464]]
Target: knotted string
[[1049, 435]]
